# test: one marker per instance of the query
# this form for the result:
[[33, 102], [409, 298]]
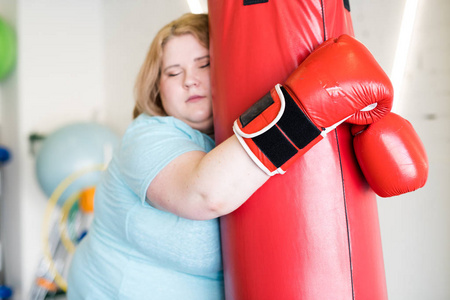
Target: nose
[[191, 79]]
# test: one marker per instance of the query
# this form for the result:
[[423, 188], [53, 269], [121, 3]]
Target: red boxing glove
[[391, 156], [338, 81]]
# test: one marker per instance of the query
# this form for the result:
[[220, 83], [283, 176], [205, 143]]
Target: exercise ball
[[70, 150], [4, 156], [7, 49]]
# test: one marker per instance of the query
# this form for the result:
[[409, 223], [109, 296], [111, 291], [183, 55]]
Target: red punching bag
[[312, 233]]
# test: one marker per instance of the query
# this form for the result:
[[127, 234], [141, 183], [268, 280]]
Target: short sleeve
[[150, 143]]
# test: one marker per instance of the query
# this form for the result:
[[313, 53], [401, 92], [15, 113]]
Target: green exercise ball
[[7, 49]]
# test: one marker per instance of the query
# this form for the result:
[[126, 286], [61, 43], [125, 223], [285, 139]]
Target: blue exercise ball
[[70, 149], [4, 155]]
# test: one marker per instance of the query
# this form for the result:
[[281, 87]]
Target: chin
[[206, 127]]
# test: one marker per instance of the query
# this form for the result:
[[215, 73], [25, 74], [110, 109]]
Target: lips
[[194, 98]]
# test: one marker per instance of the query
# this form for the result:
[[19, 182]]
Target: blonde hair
[[147, 95]]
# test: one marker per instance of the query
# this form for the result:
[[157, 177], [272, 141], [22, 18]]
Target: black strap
[[256, 109], [275, 146], [347, 4], [250, 2], [294, 128], [295, 124]]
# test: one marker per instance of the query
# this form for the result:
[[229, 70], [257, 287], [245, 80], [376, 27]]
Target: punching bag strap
[[347, 5], [250, 2]]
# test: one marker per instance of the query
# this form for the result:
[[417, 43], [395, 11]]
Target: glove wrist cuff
[[275, 131]]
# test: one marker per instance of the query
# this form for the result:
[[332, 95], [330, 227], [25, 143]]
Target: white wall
[[61, 80], [58, 79], [78, 60], [129, 29], [416, 227], [10, 217]]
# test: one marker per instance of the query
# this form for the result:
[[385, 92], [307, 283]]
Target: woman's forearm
[[205, 186]]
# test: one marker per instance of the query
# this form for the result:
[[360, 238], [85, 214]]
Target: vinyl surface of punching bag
[[312, 233]]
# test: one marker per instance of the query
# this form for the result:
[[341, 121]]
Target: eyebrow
[[201, 58], [195, 59]]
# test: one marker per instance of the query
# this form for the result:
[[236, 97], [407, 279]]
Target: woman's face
[[185, 82]]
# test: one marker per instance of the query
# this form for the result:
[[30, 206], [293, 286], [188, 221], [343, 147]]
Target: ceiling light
[[195, 7], [401, 54]]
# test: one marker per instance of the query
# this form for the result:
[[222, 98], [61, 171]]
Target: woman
[[155, 234]]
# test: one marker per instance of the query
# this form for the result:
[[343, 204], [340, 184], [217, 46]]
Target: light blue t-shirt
[[135, 251]]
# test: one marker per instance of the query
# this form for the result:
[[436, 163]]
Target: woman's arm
[[201, 186]]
